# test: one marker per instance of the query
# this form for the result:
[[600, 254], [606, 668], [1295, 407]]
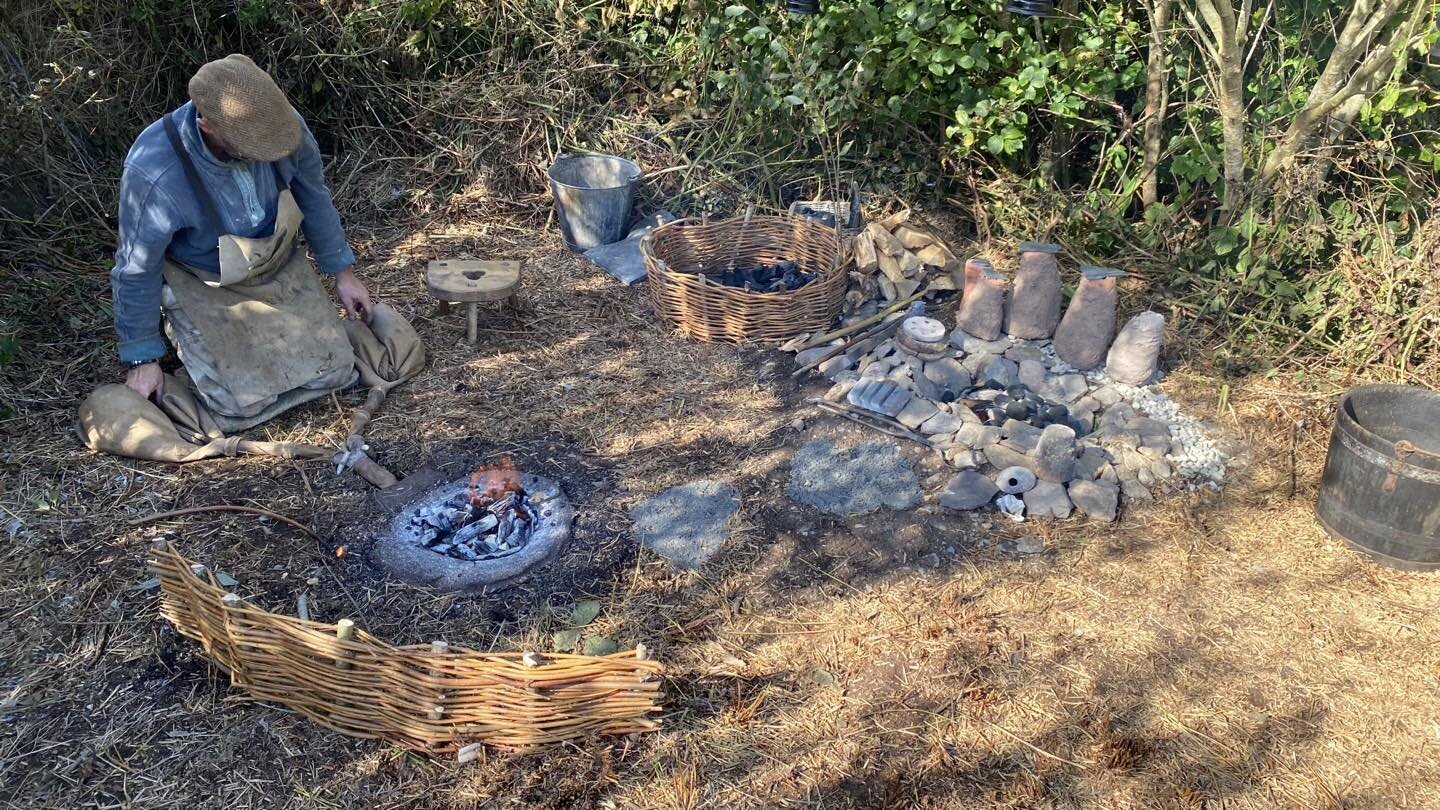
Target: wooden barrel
[[1380, 492]]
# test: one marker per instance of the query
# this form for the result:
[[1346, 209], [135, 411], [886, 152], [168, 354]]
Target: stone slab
[[686, 524], [853, 481]]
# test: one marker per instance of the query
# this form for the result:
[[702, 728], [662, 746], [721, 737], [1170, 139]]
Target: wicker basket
[[678, 253]]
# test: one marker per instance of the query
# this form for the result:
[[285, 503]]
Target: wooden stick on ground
[[878, 330], [819, 340], [345, 631], [874, 421], [252, 510]]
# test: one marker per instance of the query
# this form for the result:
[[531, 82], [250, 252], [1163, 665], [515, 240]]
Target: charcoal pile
[[471, 526], [996, 403], [765, 278]]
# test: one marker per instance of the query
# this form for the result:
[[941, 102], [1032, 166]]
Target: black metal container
[[1380, 491]]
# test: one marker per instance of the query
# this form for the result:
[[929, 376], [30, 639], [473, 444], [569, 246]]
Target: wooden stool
[[470, 281]]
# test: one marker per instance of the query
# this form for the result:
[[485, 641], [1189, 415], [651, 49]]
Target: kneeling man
[[213, 201]]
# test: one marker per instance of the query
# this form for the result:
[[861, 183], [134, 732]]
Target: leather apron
[[264, 336]]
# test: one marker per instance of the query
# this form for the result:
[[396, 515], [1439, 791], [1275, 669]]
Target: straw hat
[[245, 107]]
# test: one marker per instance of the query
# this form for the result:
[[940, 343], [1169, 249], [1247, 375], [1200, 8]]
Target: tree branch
[[1369, 47]]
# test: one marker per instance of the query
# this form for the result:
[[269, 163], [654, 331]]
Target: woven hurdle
[[431, 698]]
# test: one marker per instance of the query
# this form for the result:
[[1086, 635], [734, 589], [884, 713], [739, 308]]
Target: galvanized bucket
[[593, 197], [1380, 491]]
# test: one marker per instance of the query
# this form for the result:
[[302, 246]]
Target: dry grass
[[1210, 650]]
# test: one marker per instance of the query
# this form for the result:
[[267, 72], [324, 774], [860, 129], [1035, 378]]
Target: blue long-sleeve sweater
[[160, 217]]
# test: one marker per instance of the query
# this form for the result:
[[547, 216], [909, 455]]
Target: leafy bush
[[945, 73], [1039, 127]]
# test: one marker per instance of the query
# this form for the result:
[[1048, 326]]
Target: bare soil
[[1216, 649]]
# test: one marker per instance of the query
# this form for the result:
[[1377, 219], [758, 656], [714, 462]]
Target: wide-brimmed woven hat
[[245, 107]]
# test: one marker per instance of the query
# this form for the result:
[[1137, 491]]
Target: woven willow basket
[[678, 253]]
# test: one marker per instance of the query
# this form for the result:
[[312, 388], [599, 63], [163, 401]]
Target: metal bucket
[[593, 196], [1031, 8], [1380, 492]]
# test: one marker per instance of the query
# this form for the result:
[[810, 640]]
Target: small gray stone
[[942, 422], [1122, 412], [836, 365], [1021, 352], [1021, 434], [1002, 455], [1107, 395], [947, 374], [916, 412], [1098, 499], [1012, 506], [1150, 429], [1055, 454], [686, 524], [1091, 460], [1164, 446], [972, 345], [976, 363], [838, 391], [862, 348], [809, 356], [1130, 462], [1135, 491], [1015, 480], [977, 435], [923, 387], [962, 459], [968, 490], [1118, 437], [1002, 371], [1151, 452], [1069, 387], [1032, 374], [1162, 470], [1047, 499]]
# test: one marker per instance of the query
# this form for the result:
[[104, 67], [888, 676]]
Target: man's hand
[[353, 295], [146, 380]]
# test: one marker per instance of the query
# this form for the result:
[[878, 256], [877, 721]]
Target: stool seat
[[470, 280]]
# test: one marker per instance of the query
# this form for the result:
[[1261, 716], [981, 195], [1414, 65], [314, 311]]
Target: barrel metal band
[[1395, 466]]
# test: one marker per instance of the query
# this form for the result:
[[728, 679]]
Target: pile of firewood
[[894, 260]]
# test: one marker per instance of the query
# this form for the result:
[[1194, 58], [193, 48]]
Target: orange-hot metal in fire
[[490, 484]]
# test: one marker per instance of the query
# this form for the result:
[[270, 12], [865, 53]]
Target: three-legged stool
[[470, 281]]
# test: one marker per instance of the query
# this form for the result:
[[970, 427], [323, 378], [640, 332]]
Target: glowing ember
[[492, 518], [496, 480]]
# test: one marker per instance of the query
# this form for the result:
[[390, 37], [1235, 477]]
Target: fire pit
[[483, 530]]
